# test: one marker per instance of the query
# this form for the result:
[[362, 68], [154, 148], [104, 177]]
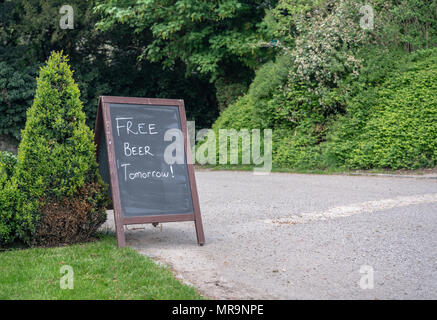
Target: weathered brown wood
[[195, 197], [104, 120], [119, 227], [159, 219], [98, 129], [97, 136]]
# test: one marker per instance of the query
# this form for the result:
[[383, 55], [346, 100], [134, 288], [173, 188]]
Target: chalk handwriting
[[128, 175], [128, 127], [136, 150]]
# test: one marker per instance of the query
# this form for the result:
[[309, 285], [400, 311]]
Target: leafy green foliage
[[228, 92], [297, 149], [339, 96], [308, 78], [412, 24], [7, 164], [215, 40], [17, 89], [9, 196], [56, 156], [239, 115], [269, 78], [105, 63], [401, 129], [56, 146], [324, 52], [210, 37], [282, 21], [318, 74]]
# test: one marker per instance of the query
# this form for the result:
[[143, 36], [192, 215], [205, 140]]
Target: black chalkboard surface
[[148, 185], [145, 188]]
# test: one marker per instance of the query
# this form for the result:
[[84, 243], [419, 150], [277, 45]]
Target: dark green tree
[[210, 37], [59, 196], [105, 63], [218, 39]]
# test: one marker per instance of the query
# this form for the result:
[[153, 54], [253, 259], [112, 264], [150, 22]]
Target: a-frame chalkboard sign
[[133, 137]]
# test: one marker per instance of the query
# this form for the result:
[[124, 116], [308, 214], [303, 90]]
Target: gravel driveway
[[293, 236]]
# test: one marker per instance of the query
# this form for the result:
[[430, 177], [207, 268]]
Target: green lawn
[[101, 271]]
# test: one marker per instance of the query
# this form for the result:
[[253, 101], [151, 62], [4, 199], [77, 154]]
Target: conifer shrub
[[58, 195], [7, 195], [7, 164]]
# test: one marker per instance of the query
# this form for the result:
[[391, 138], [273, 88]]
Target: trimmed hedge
[[401, 129], [390, 119], [56, 163], [8, 160]]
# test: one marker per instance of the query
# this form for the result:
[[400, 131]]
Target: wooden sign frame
[[103, 122]]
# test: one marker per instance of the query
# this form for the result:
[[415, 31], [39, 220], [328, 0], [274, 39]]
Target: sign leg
[[199, 231], [119, 227]]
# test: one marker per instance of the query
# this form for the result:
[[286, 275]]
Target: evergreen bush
[[56, 173]]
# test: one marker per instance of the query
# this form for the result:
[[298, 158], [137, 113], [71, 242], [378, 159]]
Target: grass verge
[[101, 271]]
